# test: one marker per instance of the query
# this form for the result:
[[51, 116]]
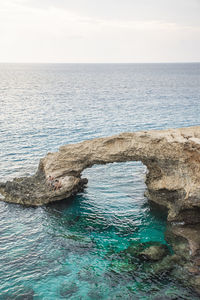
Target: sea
[[75, 248]]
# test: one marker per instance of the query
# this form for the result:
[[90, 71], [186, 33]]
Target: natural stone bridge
[[172, 158]]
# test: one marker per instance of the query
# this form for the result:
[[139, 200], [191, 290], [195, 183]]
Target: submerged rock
[[120, 266], [150, 251], [166, 265], [154, 253], [185, 240], [67, 289]]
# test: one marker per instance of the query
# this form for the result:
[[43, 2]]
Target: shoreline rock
[[171, 156]]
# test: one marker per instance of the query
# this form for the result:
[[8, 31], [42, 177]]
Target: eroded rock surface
[[172, 158], [185, 241]]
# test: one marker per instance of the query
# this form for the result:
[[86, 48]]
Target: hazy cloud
[[99, 31]]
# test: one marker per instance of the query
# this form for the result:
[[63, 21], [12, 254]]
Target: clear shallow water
[[70, 250]]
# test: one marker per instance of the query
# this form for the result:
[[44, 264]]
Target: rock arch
[[171, 156]]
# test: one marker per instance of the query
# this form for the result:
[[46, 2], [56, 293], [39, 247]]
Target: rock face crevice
[[172, 158]]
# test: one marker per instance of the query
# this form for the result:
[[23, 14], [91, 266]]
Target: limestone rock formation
[[172, 158]]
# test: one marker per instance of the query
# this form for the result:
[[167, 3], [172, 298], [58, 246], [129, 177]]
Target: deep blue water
[[69, 250]]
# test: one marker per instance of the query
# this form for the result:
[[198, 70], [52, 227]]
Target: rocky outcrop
[[185, 241], [172, 158]]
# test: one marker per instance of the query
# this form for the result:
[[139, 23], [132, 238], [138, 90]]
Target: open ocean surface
[[70, 250]]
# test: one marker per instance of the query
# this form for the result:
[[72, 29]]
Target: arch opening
[[115, 197]]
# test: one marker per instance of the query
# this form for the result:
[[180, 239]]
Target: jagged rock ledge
[[172, 158]]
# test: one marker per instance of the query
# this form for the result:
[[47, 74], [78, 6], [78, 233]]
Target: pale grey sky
[[99, 31]]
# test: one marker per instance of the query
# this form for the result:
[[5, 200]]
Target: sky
[[99, 31]]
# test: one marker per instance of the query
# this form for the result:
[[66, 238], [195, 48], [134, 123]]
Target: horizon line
[[161, 62]]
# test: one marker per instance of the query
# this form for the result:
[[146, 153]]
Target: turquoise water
[[75, 249]]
